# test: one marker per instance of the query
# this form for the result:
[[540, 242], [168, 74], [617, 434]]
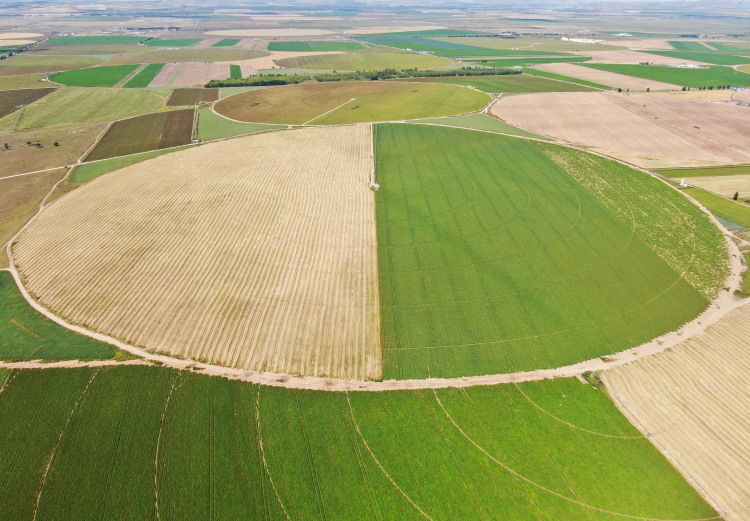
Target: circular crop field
[[350, 102], [479, 254]]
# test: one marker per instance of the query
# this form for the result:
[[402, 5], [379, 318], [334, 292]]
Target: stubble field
[[258, 254]]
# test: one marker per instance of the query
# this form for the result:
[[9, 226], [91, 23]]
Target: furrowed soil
[[612, 79], [180, 97], [143, 133], [649, 131], [10, 100], [231, 252], [693, 401]]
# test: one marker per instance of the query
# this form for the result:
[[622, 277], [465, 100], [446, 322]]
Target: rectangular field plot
[[10, 100], [107, 76], [713, 76], [493, 258], [315, 46], [142, 133], [694, 398], [144, 77], [180, 97], [507, 83], [198, 447]]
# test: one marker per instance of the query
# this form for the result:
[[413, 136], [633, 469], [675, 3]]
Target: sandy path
[[612, 79], [651, 131], [693, 403], [289, 284]]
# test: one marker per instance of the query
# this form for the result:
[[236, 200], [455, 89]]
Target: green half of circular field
[[350, 102], [498, 254]]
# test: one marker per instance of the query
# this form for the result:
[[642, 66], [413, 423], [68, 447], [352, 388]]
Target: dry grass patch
[[649, 131], [257, 252], [188, 74], [726, 186], [694, 399], [612, 79]]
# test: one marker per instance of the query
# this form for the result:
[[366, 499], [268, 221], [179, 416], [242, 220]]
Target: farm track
[[258, 325], [694, 407]]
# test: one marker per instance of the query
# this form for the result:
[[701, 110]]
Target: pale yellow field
[[611, 79], [694, 400], [257, 252], [723, 185], [651, 131], [269, 61]]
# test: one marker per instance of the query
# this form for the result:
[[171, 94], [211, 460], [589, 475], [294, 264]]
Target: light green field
[[480, 122], [732, 211], [332, 103], [712, 76], [506, 83], [531, 44], [107, 76], [213, 126], [23, 64], [28, 81], [368, 60], [87, 171], [28, 335], [208, 448], [707, 171], [77, 105], [561, 77], [493, 257]]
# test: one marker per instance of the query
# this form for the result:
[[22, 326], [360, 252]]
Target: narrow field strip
[[158, 444], [271, 259]]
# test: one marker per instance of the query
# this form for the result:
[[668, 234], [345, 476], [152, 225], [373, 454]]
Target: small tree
[[6, 146], [56, 144], [736, 196]]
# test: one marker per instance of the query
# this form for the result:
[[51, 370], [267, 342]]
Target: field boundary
[[722, 305]]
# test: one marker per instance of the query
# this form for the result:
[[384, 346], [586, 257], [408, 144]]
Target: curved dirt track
[[724, 304]]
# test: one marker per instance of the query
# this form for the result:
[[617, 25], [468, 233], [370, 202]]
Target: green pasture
[[212, 126], [712, 76], [175, 42], [103, 39], [105, 76], [28, 335], [227, 42], [531, 60], [561, 77], [733, 211], [494, 258], [706, 57], [72, 106], [26, 63], [506, 83], [144, 77], [315, 46], [710, 171], [689, 46], [87, 171], [199, 447], [235, 71]]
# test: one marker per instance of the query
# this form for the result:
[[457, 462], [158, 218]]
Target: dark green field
[[493, 258], [506, 83], [226, 42], [531, 60], [143, 78], [10, 100], [106, 76], [235, 72], [713, 76], [706, 171], [196, 447], [315, 46], [143, 133], [706, 57], [181, 97], [95, 40], [28, 335]]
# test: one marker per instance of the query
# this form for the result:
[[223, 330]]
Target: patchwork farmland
[[318, 264]]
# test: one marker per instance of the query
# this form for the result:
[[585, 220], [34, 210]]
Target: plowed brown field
[[651, 131], [257, 252], [694, 400], [611, 79]]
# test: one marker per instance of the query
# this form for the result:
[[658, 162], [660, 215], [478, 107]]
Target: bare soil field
[[192, 54], [632, 57], [605, 77], [21, 36], [723, 185], [269, 32], [645, 130], [742, 95], [695, 95], [230, 252], [189, 74], [11, 100], [180, 97], [693, 403]]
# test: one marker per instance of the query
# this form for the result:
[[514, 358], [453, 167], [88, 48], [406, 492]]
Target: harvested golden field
[[694, 401], [649, 131], [258, 252], [612, 79], [725, 186]]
